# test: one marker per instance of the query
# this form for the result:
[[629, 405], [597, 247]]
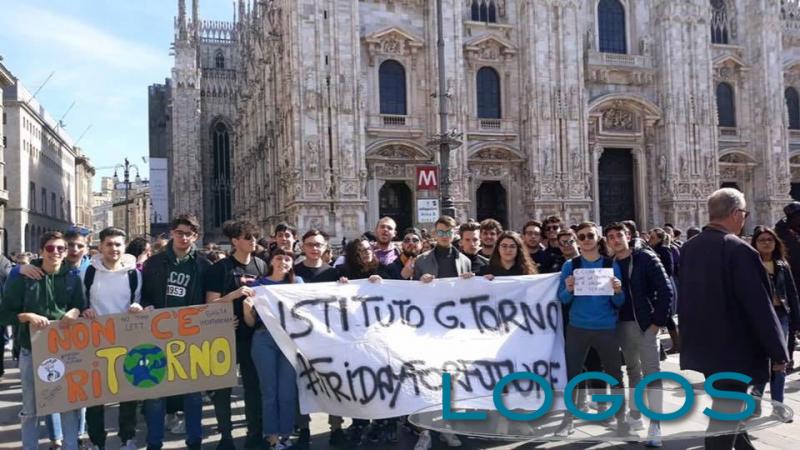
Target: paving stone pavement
[[783, 436]]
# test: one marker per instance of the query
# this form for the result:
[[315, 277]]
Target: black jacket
[[727, 322], [649, 288], [154, 280], [792, 242], [786, 290]]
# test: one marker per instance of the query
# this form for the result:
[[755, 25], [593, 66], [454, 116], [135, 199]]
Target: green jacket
[[51, 297]]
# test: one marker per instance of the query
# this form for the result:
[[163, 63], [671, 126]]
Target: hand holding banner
[[123, 357], [377, 350]]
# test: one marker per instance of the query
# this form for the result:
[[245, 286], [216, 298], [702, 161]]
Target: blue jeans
[[154, 411], [777, 381], [278, 382], [30, 421], [53, 422]]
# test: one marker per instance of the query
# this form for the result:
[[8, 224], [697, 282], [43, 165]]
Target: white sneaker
[[782, 414], [450, 439], [654, 435], [170, 421], [424, 441], [566, 427], [636, 424], [179, 427], [130, 444]]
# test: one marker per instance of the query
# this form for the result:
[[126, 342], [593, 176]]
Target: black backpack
[[88, 279]]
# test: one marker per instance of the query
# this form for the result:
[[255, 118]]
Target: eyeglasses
[[508, 246], [183, 234], [78, 245], [566, 243], [55, 248], [746, 212], [444, 233], [410, 240], [583, 237], [314, 244]]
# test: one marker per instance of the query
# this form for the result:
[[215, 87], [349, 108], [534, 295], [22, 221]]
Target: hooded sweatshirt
[[110, 292], [51, 297]]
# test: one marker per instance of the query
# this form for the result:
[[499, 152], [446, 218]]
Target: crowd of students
[[65, 283]]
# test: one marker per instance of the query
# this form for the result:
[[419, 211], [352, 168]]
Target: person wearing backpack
[[32, 304], [112, 286], [229, 281], [592, 318]]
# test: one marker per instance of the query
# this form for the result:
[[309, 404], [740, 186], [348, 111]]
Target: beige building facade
[[84, 202], [137, 206], [594, 109], [6, 80], [40, 171]]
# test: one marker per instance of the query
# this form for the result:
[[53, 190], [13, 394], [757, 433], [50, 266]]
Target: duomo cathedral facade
[[319, 111]]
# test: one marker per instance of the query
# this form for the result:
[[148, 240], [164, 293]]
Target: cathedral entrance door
[[395, 201], [492, 202], [616, 186]]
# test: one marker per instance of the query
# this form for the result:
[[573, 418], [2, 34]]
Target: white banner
[[377, 350]]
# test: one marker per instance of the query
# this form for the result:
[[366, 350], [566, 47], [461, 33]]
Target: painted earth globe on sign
[[145, 366]]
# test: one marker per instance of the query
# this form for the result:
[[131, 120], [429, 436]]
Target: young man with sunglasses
[[112, 286], [229, 281], [77, 258], [403, 267], [592, 318], [470, 245], [648, 296], [444, 261], [173, 278], [32, 304]]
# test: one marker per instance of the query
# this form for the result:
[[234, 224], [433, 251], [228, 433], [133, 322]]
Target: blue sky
[[105, 53]]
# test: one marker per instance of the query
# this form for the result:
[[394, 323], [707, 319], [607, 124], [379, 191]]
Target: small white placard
[[427, 210], [593, 281]]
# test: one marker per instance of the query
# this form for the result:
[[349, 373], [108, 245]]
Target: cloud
[[83, 40]]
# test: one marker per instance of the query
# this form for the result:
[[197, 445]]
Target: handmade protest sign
[[377, 350], [123, 357], [593, 281]]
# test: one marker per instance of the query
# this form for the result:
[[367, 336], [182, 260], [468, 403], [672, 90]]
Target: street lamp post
[[126, 170], [446, 139]]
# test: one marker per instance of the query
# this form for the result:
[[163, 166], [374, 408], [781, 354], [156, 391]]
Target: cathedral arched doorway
[[395, 201], [616, 186], [492, 202]]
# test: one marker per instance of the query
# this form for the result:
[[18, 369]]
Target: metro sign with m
[[427, 178]]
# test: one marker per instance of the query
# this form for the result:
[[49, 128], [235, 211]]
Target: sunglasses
[[444, 233], [583, 237], [410, 240], [55, 248]]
